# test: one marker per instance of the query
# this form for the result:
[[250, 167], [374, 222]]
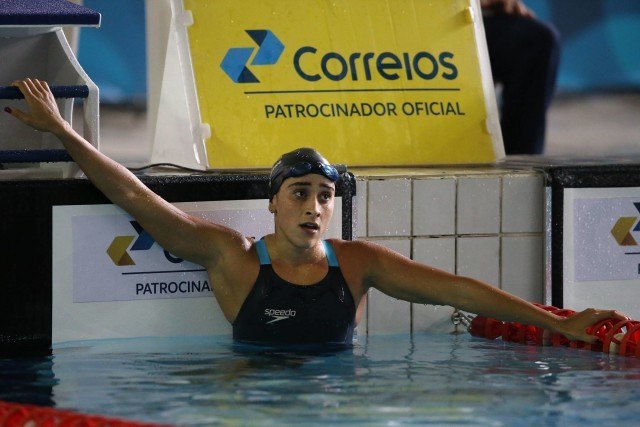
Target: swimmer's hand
[[43, 114], [575, 327]]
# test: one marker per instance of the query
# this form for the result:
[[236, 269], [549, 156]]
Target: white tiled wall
[[438, 252], [389, 207], [434, 206], [385, 314], [485, 224], [479, 257], [522, 208], [478, 209], [521, 271]]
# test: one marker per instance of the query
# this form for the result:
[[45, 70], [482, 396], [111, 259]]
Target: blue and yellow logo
[[119, 249], [623, 227]]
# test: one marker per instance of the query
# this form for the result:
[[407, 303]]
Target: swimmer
[[291, 287]]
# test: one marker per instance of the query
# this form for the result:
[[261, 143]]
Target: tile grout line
[[366, 214], [455, 231], [366, 232], [455, 227], [411, 219]]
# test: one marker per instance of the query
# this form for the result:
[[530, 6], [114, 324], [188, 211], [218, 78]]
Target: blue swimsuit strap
[[263, 254], [331, 255]]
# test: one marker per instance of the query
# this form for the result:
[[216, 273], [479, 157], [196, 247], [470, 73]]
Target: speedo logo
[[312, 65], [279, 315]]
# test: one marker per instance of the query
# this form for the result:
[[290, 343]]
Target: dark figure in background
[[524, 54]]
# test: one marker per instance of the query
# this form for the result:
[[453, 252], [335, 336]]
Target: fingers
[[18, 114], [28, 89], [579, 323], [47, 89], [596, 316], [619, 315], [23, 86], [33, 88], [43, 88], [606, 314], [43, 113]]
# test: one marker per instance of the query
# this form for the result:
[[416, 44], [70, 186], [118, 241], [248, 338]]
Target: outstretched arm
[[182, 234], [402, 278]]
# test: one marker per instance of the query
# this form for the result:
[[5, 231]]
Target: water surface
[[384, 380]]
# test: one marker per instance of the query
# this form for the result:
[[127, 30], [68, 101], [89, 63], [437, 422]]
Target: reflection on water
[[27, 380], [437, 379]]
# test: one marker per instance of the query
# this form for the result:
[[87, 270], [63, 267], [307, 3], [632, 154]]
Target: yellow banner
[[366, 82]]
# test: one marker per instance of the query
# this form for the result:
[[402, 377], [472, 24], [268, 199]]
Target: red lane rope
[[614, 336], [21, 415]]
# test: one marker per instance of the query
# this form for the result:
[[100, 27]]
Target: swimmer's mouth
[[310, 225]]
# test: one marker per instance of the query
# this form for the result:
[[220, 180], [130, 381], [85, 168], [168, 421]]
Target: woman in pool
[[291, 287]]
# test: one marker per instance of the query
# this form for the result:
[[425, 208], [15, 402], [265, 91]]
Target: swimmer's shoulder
[[354, 245], [237, 253], [358, 260], [355, 251]]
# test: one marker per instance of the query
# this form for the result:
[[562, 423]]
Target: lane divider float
[[23, 415], [614, 336]]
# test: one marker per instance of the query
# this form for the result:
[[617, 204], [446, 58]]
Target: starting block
[[33, 45]]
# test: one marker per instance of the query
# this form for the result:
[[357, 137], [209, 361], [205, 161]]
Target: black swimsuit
[[279, 312]]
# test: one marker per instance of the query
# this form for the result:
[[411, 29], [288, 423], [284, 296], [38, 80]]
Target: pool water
[[384, 380]]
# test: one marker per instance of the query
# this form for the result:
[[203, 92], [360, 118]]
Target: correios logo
[[235, 61], [313, 65], [623, 227], [119, 249]]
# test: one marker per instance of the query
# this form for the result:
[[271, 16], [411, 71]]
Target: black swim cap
[[300, 162]]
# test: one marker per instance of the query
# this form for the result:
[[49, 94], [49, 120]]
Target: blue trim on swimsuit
[[263, 254], [330, 253]]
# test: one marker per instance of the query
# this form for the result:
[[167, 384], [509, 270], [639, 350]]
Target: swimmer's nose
[[313, 207]]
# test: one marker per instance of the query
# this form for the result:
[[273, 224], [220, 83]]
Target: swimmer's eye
[[326, 196], [301, 194]]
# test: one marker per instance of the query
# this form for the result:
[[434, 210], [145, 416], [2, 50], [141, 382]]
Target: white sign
[[132, 266], [111, 280], [604, 243], [601, 249]]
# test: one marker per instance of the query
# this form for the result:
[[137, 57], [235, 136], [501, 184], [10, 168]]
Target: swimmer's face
[[303, 208]]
